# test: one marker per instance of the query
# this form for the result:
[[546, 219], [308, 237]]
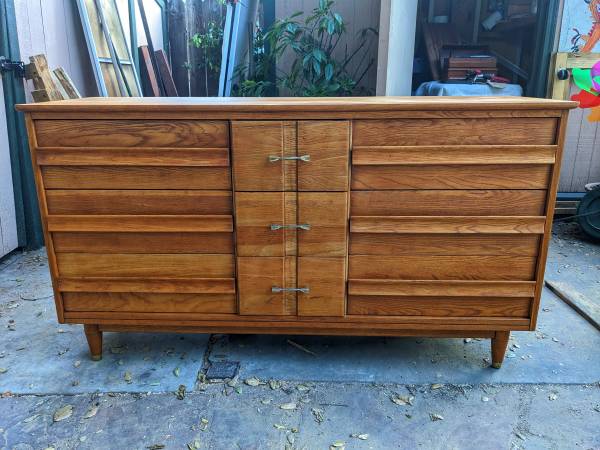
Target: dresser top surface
[[289, 104]]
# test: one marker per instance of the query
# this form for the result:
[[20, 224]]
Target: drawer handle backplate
[[275, 158], [276, 289], [301, 226]]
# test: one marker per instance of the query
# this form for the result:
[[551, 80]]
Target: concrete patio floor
[[546, 396]]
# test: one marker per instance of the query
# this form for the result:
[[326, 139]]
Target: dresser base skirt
[[499, 339]]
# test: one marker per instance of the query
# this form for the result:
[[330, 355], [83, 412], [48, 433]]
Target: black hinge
[[7, 65]]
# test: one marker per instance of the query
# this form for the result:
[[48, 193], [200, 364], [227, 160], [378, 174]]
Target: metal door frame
[[29, 225]]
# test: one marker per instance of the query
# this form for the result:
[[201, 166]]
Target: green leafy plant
[[209, 43], [317, 69]]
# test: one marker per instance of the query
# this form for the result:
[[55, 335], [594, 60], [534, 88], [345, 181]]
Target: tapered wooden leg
[[94, 338], [499, 344]]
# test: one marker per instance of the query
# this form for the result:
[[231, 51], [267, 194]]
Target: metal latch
[[8, 65]]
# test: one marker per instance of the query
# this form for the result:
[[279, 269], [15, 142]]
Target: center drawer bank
[[379, 216]]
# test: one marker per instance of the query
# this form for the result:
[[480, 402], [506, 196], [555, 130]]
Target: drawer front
[[442, 267], [257, 213], [327, 215], [325, 279], [143, 242], [444, 244], [439, 306], [448, 203], [257, 276], [499, 176], [257, 151], [489, 131], [138, 202], [83, 265], [328, 145], [136, 177], [136, 303], [132, 133]]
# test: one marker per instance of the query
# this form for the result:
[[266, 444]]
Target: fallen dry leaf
[[552, 397], [274, 384], [91, 412], [279, 426], [128, 377], [318, 415], [252, 381], [180, 392], [176, 371], [435, 417], [194, 445], [362, 437], [288, 406], [63, 413], [3, 370], [338, 444], [436, 386], [402, 400]]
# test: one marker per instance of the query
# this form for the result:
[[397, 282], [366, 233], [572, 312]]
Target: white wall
[[397, 26], [52, 27]]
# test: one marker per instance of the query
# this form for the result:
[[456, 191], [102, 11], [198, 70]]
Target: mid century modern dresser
[[339, 216]]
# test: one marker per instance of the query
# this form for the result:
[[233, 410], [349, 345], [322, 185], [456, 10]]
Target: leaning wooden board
[[377, 216]]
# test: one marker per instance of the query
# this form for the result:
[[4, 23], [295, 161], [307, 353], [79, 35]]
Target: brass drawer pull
[[302, 226], [275, 158], [276, 289]]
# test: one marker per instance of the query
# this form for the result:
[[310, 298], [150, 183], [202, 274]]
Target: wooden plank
[[132, 133], [255, 213], [132, 302], [136, 177], [67, 84], [586, 307], [146, 63], [165, 73], [498, 176], [125, 223], [74, 265], [442, 267], [132, 242], [437, 288], [42, 78], [328, 145], [453, 154], [326, 280], [252, 144], [59, 156], [326, 213], [447, 224], [134, 202], [444, 244], [150, 285], [439, 306], [501, 131], [448, 203], [255, 278]]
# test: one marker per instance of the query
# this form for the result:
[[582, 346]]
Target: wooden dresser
[[340, 216]]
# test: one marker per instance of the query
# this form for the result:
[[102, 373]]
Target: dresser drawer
[[484, 131], [290, 223], [136, 177], [442, 267], [135, 202], [75, 265], [448, 203], [305, 286], [132, 133], [132, 302], [439, 306], [290, 156]]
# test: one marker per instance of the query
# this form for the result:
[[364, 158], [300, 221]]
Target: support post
[[499, 345], [94, 339]]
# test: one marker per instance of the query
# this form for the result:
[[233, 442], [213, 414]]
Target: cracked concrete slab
[[448, 417]]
